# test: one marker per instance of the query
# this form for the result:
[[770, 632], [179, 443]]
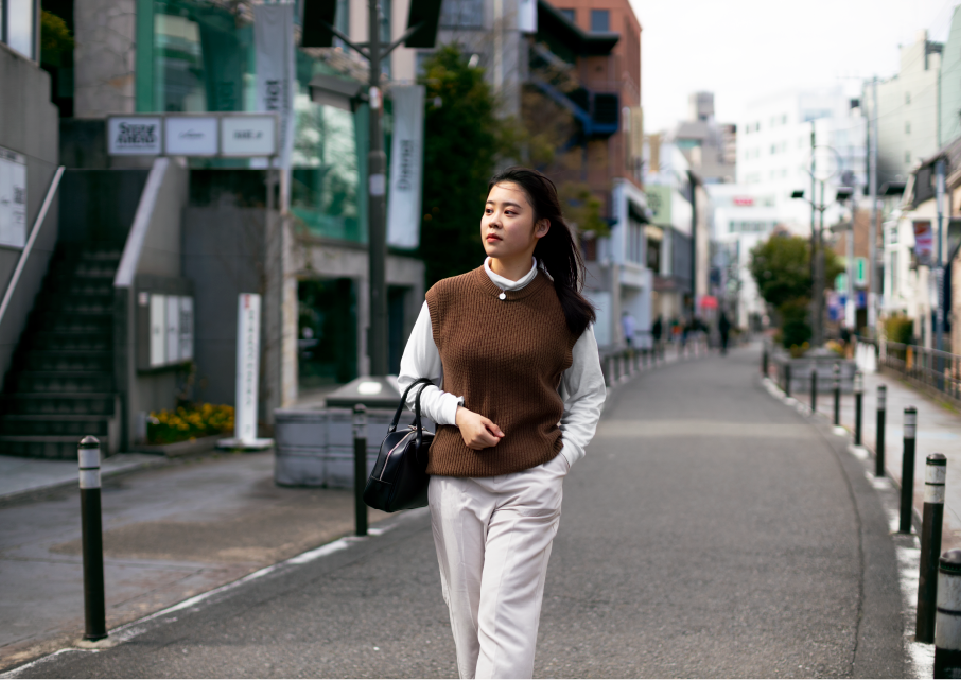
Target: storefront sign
[[743, 201], [171, 329], [406, 164], [13, 199], [190, 136], [248, 368], [248, 136], [922, 241], [133, 136]]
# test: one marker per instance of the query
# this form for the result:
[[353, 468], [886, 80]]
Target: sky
[[743, 50]]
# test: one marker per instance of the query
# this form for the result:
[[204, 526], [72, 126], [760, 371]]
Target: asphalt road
[[710, 532]]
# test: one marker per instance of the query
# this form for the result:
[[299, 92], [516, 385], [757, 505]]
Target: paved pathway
[[710, 532]]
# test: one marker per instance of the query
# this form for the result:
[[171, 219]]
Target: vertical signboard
[[172, 319], [273, 33], [13, 199], [406, 163], [186, 352], [248, 368], [158, 325]]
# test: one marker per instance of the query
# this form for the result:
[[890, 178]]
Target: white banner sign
[[248, 136], [406, 167], [13, 199], [248, 368], [133, 136], [188, 136], [273, 40]]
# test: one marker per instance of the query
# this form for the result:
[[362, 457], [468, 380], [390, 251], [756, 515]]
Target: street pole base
[[234, 444]]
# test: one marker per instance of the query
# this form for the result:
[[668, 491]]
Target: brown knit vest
[[505, 357]]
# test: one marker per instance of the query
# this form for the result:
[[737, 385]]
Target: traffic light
[[318, 17], [426, 13]]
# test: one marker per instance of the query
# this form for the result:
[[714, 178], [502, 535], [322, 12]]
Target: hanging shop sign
[[134, 136], [922, 241], [406, 164], [273, 36], [13, 198]]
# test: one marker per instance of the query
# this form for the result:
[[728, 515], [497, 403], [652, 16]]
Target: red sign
[[745, 201]]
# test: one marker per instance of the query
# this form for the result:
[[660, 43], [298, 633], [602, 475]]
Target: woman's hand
[[477, 431]]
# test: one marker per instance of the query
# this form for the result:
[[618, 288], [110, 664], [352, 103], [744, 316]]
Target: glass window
[[907, 97], [907, 127], [569, 14], [600, 21], [19, 25], [907, 156], [462, 14]]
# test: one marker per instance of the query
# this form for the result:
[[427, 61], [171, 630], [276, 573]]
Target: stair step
[[55, 426], [78, 323], [99, 404], [69, 360], [95, 341], [59, 448], [64, 382]]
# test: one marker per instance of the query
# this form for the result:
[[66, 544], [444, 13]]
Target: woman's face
[[507, 228]]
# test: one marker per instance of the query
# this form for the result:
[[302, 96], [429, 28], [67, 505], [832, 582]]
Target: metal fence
[[938, 370]]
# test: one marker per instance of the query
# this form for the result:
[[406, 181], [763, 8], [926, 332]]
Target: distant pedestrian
[[657, 330], [724, 328], [511, 348], [627, 323]]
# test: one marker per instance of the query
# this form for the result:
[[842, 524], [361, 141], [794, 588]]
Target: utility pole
[[939, 271], [850, 306], [376, 205], [819, 283], [815, 305], [873, 231]]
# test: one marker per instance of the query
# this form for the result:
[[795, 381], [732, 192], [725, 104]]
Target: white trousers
[[493, 537]]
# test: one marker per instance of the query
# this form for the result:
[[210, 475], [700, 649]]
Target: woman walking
[[517, 393]]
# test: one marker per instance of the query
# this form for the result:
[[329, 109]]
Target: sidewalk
[[939, 431], [169, 533]]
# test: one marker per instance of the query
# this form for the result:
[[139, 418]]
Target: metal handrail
[[934, 368]]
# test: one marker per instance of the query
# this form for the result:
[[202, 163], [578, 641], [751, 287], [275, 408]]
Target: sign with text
[[171, 329], [923, 241], [273, 36], [406, 164], [190, 136], [248, 136], [248, 368], [13, 199], [133, 136]]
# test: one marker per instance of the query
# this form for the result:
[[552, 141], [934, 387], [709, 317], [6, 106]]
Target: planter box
[[824, 365], [185, 448], [315, 447]]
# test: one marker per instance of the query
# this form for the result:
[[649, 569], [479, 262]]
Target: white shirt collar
[[507, 284]]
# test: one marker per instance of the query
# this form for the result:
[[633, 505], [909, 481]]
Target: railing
[[620, 364], [938, 370]]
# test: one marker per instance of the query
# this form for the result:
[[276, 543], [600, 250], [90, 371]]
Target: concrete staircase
[[60, 386]]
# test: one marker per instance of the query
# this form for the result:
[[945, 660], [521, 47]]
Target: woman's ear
[[543, 226]]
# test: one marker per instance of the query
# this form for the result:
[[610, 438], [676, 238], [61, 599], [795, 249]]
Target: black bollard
[[947, 638], [934, 477], [879, 431], [787, 379], [764, 362], [837, 394], [858, 398], [814, 389], [94, 605], [907, 468], [360, 469]]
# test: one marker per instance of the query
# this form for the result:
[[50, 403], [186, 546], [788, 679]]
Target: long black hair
[[556, 251]]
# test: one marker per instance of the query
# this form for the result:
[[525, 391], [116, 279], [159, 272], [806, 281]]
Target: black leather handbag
[[398, 480]]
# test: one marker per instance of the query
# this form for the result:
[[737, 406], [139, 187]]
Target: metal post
[[787, 378], [947, 639], [764, 362], [858, 399], [94, 600], [376, 204], [837, 394], [819, 338], [873, 286], [360, 469], [814, 244], [907, 469], [814, 389], [879, 431], [934, 477]]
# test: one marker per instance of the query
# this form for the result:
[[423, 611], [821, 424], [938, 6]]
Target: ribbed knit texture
[[505, 357]]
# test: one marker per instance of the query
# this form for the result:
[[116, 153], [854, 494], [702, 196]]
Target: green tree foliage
[[463, 139], [55, 39], [781, 268]]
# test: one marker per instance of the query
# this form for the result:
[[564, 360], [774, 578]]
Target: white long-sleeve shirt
[[582, 385]]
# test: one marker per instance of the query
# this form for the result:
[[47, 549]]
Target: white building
[[774, 151]]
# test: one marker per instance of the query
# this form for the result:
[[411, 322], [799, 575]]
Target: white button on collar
[[503, 296]]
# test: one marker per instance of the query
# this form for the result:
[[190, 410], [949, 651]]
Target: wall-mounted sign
[[743, 201], [134, 136], [13, 199], [248, 136], [171, 329], [188, 136]]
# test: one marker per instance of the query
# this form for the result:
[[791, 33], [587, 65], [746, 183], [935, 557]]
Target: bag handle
[[403, 400]]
